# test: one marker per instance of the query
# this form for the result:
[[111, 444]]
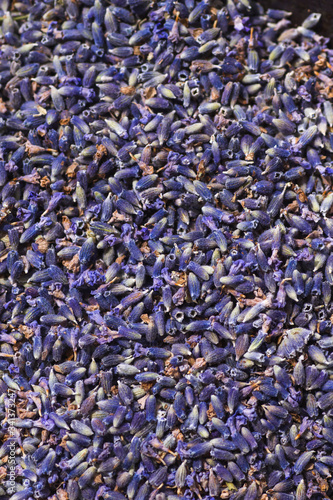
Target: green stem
[[17, 18]]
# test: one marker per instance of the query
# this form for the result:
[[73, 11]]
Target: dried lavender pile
[[165, 252]]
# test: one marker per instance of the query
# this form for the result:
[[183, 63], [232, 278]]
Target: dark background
[[302, 8]]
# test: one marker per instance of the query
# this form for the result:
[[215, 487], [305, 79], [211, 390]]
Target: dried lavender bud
[[166, 210]]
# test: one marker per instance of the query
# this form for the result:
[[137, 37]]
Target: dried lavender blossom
[[166, 252]]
